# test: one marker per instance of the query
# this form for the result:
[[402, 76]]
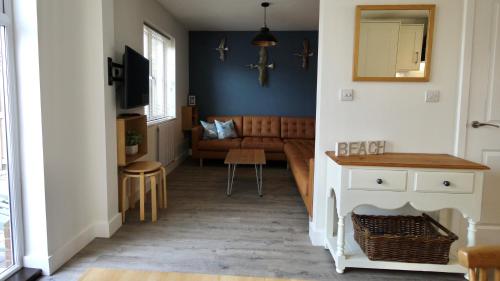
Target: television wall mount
[[115, 72]]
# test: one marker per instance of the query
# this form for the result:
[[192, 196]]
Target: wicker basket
[[403, 238]]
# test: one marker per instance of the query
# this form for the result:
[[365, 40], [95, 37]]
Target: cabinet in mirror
[[393, 43]]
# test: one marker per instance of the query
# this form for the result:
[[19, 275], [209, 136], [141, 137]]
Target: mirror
[[393, 43]]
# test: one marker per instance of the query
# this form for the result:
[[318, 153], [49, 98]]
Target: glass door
[[10, 200]]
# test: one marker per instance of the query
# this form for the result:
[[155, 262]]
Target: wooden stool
[[143, 170]]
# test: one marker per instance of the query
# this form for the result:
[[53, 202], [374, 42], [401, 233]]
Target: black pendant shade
[[264, 38]]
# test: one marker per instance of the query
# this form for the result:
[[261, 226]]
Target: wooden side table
[[143, 170]]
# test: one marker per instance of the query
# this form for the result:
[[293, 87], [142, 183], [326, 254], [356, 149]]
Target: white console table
[[428, 182]]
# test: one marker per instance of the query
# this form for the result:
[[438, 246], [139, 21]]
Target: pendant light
[[265, 38]]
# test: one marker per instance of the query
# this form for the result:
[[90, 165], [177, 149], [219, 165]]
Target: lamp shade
[[264, 38]]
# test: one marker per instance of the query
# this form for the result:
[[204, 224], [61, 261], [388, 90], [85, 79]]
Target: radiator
[[166, 142]]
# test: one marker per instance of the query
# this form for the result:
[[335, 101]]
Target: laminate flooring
[[204, 231]]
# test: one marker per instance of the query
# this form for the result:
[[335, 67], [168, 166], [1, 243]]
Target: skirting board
[[178, 160], [106, 229], [316, 236], [51, 263], [41, 262], [488, 234]]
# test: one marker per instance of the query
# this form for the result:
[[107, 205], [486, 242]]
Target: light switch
[[346, 95], [432, 96]]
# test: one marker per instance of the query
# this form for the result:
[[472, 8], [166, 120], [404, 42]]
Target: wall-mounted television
[[134, 90]]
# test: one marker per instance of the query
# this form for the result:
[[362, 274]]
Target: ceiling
[[244, 15]]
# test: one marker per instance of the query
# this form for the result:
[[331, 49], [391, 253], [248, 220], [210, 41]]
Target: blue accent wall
[[230, 88]]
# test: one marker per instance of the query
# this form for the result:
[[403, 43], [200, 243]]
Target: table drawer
[[371, 179], [444, 182]]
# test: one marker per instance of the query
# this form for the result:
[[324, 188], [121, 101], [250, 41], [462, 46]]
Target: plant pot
[[131, 149]]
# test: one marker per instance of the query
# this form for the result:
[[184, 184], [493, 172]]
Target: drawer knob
[[446, 183], [380, 181]]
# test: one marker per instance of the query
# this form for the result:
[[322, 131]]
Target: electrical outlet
[[432, 96], [346, 95]]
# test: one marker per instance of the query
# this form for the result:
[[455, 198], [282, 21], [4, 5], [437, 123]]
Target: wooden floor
[[203, 231], [100, 274]]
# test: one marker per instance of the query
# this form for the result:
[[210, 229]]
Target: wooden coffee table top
[[246, 157]]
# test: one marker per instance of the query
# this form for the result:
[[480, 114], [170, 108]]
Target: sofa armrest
[[196, 135], [310, 187]]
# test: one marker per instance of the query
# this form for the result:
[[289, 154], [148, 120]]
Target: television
[[134, 90]]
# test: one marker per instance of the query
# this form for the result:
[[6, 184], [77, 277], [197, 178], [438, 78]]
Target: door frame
[[13, 149], [464, 84]]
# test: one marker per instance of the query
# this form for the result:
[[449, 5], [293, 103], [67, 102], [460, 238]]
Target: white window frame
[[13, 140], [169, 80]]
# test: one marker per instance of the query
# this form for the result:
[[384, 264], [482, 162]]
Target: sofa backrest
[[238, 122], [298, 127], [261, 126]]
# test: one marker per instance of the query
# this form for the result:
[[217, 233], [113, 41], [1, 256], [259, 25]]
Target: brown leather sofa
[[282, 138]]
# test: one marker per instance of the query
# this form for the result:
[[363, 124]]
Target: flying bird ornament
[[305, 54], [222, 49], [262, 66]]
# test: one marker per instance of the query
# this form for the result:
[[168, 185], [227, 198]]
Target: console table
[[428, 182]]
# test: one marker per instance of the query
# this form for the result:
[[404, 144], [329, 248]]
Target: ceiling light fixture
[[264, 38]]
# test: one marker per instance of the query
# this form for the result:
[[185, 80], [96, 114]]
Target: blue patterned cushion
[[209, 131], [226, 129]]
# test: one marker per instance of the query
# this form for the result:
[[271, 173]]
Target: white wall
[[130, 16], [75, 189], [395, 112]]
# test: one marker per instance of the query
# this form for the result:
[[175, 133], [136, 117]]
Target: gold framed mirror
[[393, 43]]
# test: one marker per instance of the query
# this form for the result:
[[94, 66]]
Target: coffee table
[[236, 157]]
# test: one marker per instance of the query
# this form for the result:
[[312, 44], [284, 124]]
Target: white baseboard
[[41, 262], [70, 248], [316, 236], [49, 264], [178, 160], [106, 229], [488, 234]]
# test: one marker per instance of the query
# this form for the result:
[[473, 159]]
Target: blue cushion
[[226, 130], [209, 131]]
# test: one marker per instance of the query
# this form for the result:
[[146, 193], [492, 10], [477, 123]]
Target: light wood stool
[[142, 170]]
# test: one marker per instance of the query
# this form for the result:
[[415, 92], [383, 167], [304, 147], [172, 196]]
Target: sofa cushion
[[299, 147], [261, 126], [298, 127], [219, 145], [225, 130], [209, 131], [268, 144], [298, 153], [237, 120], [300, 170]]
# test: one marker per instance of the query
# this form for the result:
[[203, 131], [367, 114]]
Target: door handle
[[477, 124]]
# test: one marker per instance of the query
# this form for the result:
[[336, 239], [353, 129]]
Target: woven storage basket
[[403, 238]]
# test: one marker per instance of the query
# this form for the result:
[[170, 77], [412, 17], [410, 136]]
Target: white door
[[483, 139]]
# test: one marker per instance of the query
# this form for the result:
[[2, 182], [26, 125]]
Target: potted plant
[[132, 141]]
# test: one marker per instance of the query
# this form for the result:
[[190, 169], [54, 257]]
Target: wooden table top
[[246, 157], [408, 160]]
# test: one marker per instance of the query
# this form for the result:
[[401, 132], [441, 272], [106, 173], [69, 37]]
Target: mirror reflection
[[393, 44]]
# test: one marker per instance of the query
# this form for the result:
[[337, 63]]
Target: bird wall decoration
[[262, 66], [305, 54], [222, 49]]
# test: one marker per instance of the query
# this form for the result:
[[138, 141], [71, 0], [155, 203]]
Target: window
[[10, 212], [160, 51]]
